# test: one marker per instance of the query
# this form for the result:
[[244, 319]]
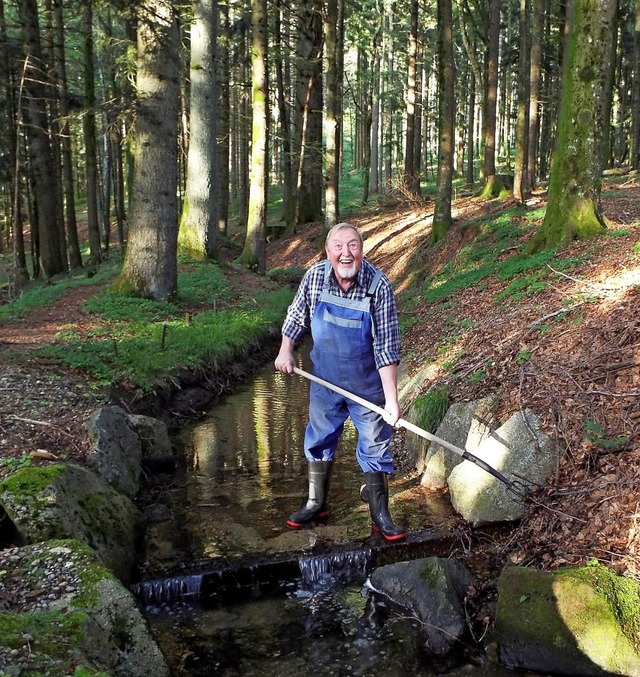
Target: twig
[[557, 312], [31, 420]]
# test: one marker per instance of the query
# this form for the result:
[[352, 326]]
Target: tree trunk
[[14, 224], [253, 255], [332, 116], [36, 91], [446, 119], [150, 266], [635, 112], [283, 112], [308, 199], [538, 11], [521, 189], [573, 206], [489, 118], [409, 178], [89, 129], [73, 243], [224, 116], [198, 227]]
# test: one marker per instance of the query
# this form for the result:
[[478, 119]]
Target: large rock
[[87, 624], [433, 589], [67, 501], [465, 425], [576, 621], [518, 450], [116, 452], [157, 451]]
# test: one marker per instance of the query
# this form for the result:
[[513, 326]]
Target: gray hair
[[342, 226]]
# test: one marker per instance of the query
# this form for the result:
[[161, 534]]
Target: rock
[[574, 621], [93, 626], [433, 589], [518, 450], [67, 501], [465, 424], [116, 451], [157, 451], [192, 401]]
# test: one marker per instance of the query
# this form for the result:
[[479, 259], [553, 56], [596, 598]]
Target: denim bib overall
[[343, 355]]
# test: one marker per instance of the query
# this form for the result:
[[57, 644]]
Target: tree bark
[[73, 243], [446, 119], [36, 92], [332, 116], [197, 235], [253, 254], [308, 198], [489, 119], [224, 114], [150, 266], [573, 205], [409, 178], [89, 129], [521, 189]]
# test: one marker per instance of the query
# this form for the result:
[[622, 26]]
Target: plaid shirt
[[384, 315]]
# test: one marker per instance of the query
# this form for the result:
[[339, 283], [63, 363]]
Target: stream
[[229, 590]]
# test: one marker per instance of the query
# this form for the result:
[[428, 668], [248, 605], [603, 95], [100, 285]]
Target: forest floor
[[581, 375]]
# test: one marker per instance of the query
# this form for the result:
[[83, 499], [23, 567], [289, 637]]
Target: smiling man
[[349, 307]]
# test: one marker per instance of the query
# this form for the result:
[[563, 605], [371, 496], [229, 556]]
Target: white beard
[[347, 272]]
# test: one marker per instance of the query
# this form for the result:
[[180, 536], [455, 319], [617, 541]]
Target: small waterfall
[[165, 590], [350, 565]]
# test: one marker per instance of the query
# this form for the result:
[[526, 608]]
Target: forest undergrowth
[[558, 333]]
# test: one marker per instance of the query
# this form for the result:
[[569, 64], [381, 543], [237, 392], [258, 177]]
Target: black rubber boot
[[377, 492], [316, 505]]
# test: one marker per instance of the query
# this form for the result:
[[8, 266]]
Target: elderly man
[[349, 307]]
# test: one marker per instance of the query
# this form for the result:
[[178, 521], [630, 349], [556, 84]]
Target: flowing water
[[229, 590]]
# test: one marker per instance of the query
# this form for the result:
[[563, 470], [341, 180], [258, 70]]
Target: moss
[[31, 481], [431, 408], [588, 613], [431, 574]]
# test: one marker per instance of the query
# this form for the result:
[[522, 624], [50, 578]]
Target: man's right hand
[[284, 361]]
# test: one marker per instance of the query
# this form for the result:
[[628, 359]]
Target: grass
[[144, 342], [496, 253]]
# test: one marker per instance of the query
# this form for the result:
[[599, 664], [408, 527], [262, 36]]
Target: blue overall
[[343, 355]]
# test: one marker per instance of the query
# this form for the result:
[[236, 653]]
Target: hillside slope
[[562, 338]]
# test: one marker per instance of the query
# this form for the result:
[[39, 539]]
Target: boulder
[[575, 621], [518, 450], [116, 452], [465, 424], [433, 590], [67, 501], [156, 448], [89, 623]]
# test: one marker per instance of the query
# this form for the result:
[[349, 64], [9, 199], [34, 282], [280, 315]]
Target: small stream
[[229, 590]]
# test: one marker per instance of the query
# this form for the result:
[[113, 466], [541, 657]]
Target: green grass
[[496, 252], [144, 342]]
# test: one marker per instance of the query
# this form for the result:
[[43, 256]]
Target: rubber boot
[[377, 493], [316, 505]]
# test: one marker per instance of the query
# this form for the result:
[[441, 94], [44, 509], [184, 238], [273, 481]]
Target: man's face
[[344, 251]]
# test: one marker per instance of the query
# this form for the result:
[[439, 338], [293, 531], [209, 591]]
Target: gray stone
[[157, 451], [518, 450], [116, 452], [67, 501], [104, 630], [433, 590], [465, 425]]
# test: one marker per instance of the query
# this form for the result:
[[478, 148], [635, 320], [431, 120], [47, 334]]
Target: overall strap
[[327, 274], [374, 283]]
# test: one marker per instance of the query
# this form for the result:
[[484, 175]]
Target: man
[[349, 307]]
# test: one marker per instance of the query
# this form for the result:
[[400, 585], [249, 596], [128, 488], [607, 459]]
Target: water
[[229, 590]]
